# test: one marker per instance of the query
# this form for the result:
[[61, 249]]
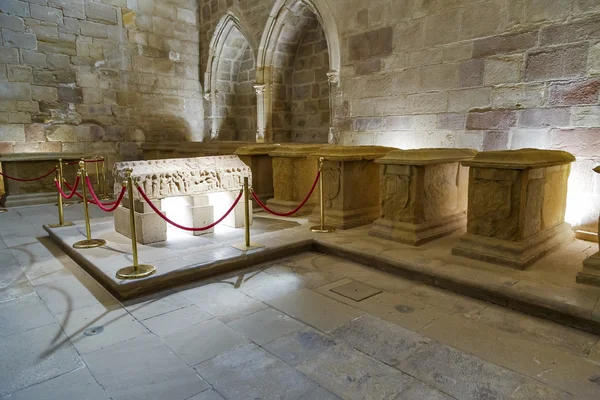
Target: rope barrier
[[295, 210], [86, 161], [73, 191], [92, 201], [97, 201], [29, 180], [185, 228]]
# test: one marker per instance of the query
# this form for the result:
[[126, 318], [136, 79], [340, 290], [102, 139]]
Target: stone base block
[[590, 273], [149, 227], [346, 219], [283, 206], [221, 203], [417, 234], [193, 211], [517, 255]]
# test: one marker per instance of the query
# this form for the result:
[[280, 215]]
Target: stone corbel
[[260, 113], [333, 77]]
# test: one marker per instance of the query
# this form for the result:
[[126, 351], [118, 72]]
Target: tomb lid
[[295, 150], [256, 149], [520, 159], [352, 153], [42, 156], [426, 156]]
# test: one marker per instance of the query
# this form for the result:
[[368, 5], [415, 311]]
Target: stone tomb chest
[[423, 194], [517, 202], [351, 184], [256, 156], [190, 191]]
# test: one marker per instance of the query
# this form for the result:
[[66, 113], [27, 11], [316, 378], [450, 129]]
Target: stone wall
[[246, 99], [98, 76]]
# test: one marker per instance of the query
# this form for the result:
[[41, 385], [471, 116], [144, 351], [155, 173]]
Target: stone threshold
[[542, 299]]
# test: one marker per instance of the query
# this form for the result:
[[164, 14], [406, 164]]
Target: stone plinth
[[32, 165], [590, 273], [191, 192], [516, 209], [423, 194], [294, 170], [257, 158], [351, 184]]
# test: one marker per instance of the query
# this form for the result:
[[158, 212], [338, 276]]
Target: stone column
[[517, 202], [294, 170], [260, 113], [260, 163], [423, 194], [590, 273], [351, 184]]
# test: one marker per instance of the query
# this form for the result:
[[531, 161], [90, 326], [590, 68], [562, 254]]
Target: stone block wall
[[98, 76], [246, 99]]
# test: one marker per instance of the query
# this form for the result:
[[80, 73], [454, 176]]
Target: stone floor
[[309, 326]]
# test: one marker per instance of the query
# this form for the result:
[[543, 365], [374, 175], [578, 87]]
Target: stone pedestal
[[350, 184], [193, 211], [590, 273], [221, 202], [423, 194], [294, 170], [260, 163], [516, 209], [149, 227]]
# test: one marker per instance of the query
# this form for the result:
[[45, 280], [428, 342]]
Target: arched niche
[[286, 111], [229, 80]]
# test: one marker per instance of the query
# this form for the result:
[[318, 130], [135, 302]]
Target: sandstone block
[[457, 51], [378, 42], [504, 44], [12, 133], [15, 91], [19, 73], [582, 6], [544, 117], [594, 59], [409, 35], [557, 62], [19, 40], [479, 20], [12, 22], [71, 8], [427, 102], [453, 122], [529, 139], [471, 73], [423, 194], [57, 45], [441, 76], [583, 142], [398, 123], [15, 7], [368, 66], [93, 29], [61, 133], [495, 140], [368, 124], [570, 33], [502, 70], [442, 28], [47, 14], [70, 94], [585, 116], [574, 93], [33, 58], [518, 96], [467, 99], [102, 13], [516, 207], [149, 227], [539, 11], [186, 15], [35, 133], [491, 120], [428, 56], [9, 56]]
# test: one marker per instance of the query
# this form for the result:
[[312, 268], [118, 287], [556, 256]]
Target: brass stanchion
[[322, 228], [247, 245], [61, 215], [89, 242], [98, 184], [136, 270], [62, 180], [105, 195]]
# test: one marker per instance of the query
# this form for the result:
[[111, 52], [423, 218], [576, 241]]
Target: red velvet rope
[[99, 203], [185, 228], [92, 201], [86, 161], [295, 210], [73, 190], [28, 180]]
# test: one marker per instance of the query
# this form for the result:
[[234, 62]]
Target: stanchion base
[[132, 272], [105, 197], [60, 226], [89, 244], [322, 229], [3, 210], [65, 204], [243, 247]]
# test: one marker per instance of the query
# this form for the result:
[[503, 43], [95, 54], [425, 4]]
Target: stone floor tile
[[594, 354], [72, 292], [446, 300], [537, 329], [155, 305], [265, 326], [249, 372], [420, 391], [305, 277], [175, 321], [248, 280], [143, 368], [76, 385], [353, 375], [7, 259], [209, 394], [320, 393], [117, 326], [2, 245], [14, 284], [389, 282], [23, 313], [34, 356], [380, 339], [203, 341], [315, 309], [281, 286], [356, 291], [223, 301], [300, 346]]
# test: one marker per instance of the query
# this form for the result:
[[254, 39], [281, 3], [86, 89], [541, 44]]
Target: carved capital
[[333, 76], [260, 89]]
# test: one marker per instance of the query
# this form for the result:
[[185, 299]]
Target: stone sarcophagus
[[351, 184], [517, 202], [294, 170], [590, 273], [190, 191], [256, 156], [423, 194]]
